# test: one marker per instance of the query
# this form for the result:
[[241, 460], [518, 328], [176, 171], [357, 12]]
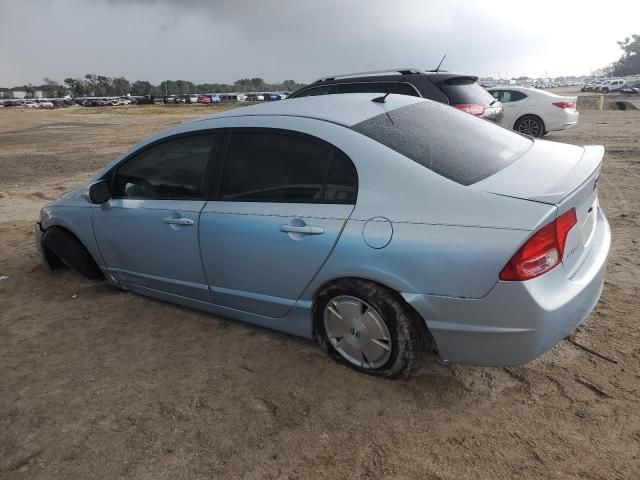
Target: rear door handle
[[304, 230], [178, 221]]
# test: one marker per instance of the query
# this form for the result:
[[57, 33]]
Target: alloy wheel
[[529, 126]]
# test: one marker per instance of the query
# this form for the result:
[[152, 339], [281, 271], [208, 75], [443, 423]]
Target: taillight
[[565, 104], [542, 252], [472, 108]]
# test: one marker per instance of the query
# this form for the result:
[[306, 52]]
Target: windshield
[[454, 144], [465, 91]]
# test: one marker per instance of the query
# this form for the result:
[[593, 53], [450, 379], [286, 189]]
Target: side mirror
[[99, 192]]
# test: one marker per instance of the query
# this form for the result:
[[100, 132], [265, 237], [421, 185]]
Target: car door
[[147, 232], [282, 203]]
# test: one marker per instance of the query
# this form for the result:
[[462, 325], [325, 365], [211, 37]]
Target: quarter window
[[278, 167], [174, 169]]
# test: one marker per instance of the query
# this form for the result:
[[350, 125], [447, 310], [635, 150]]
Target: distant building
[[18, 93]]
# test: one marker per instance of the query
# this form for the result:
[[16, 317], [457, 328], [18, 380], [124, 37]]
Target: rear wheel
[[530, 125], [605, 90], [365, 326], [70, 251]]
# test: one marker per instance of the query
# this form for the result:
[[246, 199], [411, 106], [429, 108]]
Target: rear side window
[[462, 91], [280, 167], [507, 96], [378, 87], [174, 169], [312, 92], [454, 144]]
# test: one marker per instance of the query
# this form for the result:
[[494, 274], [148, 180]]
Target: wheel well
[[427, 337], [53, 260]]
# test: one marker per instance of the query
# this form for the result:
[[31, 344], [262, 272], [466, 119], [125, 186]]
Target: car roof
[[344, 109]]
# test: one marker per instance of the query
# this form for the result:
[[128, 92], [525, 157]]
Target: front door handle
[[178, 221], [303, 230]]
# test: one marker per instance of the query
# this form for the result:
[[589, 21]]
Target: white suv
[[611, 85]]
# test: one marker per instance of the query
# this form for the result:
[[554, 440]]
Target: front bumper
[[39, 247], [517, 321]]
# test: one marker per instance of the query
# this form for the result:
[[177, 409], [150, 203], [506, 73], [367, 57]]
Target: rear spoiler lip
[[590, 162]]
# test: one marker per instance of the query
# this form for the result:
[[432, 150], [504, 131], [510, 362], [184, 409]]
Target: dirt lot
[[97, 383]]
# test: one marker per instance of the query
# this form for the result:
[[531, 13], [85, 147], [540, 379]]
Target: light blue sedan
[[375, 227]]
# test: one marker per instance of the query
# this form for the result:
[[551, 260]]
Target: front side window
[[174, 169], [278, 167]]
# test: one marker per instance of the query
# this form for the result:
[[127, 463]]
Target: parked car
[[535, 112], [458, 90], [613, 85], [366, 225], [589, 87], [30, 104], [43, 103], [631, 89], [204, 99], [253, 97]]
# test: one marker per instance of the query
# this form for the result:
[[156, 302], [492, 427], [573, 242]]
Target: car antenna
[[391, 90], [440, 64]]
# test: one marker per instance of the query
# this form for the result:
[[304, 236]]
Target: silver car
[[372, 226]]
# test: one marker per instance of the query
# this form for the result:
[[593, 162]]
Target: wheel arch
[[335, 282], [77, 222]]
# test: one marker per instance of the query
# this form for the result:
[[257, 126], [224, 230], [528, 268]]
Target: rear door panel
[[254, 266]]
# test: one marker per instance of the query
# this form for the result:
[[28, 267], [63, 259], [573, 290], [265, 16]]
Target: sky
[[220, 41]]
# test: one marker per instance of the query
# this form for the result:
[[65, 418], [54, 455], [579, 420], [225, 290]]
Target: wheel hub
[[357, 332]]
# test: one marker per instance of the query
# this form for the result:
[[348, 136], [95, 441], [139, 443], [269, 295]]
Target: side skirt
[[299, 320]]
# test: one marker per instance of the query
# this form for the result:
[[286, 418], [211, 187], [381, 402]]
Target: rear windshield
[[452, 143], [464, 90]]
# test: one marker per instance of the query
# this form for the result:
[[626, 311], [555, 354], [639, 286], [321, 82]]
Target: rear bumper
[[568, 120], [517, 321]]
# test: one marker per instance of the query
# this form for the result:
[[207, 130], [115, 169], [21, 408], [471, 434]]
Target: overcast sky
[[224, 40]]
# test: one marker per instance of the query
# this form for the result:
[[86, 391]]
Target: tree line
[[92, 85], [629, 63]]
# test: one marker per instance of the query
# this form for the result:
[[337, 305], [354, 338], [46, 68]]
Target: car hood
[[547, 173]]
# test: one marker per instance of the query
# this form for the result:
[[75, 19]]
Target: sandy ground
[[97, 383]]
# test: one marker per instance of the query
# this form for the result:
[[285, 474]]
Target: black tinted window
[[462, 91], [342, 183], [312, 92], [378, 87], [512, 96], [174, 169], [454, 144], [286, 168]]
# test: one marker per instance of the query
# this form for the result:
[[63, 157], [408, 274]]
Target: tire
[[70, 251], [530, 125], [605, 90], [359, 308]]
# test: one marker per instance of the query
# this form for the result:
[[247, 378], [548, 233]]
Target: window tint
[[312, 92], [454, 144], [513, 96], [174, 169], [497, 94], [378, 87], [464, 91], [278, 167], [342, 182]]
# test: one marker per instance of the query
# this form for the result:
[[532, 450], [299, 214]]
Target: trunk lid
[[557, 174]]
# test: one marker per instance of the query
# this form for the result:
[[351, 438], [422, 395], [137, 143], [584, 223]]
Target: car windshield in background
[[466, 91], [454, 144]]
